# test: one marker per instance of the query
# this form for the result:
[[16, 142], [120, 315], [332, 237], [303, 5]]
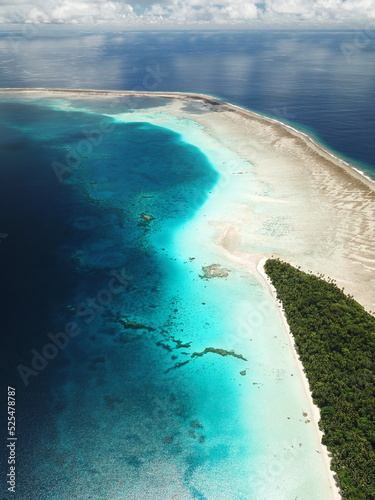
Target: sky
[[180, 13]]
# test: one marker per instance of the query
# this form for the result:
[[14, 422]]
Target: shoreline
[[252, 266], [354, 171], [314, 409]]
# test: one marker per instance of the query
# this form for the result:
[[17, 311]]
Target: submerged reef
[[214, 271], [135, 326], [147, 217], [222, 352]]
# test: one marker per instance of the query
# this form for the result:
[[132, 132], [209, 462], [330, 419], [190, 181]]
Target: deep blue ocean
[[323, 81], [81, 272]]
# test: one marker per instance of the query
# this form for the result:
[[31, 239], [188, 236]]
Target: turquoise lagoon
[[106, 206]]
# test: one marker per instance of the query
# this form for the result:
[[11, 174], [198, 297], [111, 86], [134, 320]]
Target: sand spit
[[322, 215]]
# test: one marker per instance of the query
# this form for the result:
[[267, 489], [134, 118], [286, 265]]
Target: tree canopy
[[335, 340]]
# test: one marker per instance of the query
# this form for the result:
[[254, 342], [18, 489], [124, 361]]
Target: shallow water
[[122, 407]]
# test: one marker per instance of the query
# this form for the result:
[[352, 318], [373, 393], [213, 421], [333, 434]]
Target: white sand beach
[[285, 196], [314, 410]]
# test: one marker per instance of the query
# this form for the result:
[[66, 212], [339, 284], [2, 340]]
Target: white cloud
[[179, 12], [225, 11], [328, 11], [66, 11]]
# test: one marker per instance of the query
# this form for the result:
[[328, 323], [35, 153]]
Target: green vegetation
[[335, 339]]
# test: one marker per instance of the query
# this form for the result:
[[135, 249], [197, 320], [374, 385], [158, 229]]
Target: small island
[[335, 340]]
